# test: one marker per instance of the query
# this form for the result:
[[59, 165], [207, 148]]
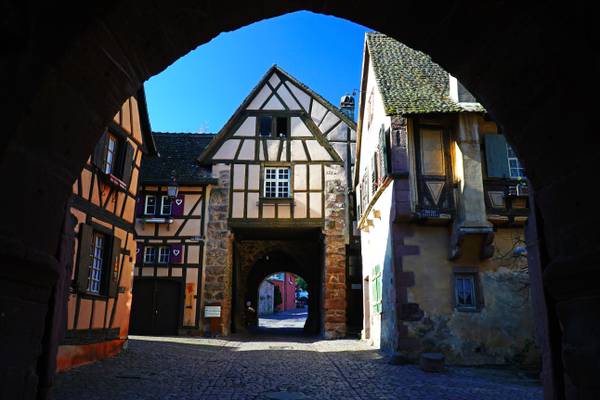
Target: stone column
[[334, 274], [219, 251]]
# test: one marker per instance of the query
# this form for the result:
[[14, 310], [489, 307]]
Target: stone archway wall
[[65, 71], [301, 257]]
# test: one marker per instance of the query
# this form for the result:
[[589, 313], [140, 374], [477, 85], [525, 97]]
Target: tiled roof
[[409, 81], [177, 152]]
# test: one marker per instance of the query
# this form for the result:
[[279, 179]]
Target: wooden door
[[167, 296], [155, 307]]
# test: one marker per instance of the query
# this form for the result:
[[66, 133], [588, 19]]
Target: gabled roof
[[209, 151], [409, 81], [177, 152]]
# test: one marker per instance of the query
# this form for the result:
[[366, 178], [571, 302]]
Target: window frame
[[472, 274], [274, 123], [147, 250], [512, 156], [97, 263], [148, 196], [162, 205], [110, 167], [276, 180], [160, 254]]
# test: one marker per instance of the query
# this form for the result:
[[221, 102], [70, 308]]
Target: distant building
[[286, 284], [442, 204], [266, 298], [170, 227], [268, 193]]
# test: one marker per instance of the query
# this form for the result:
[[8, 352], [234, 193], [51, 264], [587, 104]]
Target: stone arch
[[61, 87], [285, 262], [273, 258]]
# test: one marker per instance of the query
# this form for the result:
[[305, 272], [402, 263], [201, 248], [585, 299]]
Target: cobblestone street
[[269, 367]]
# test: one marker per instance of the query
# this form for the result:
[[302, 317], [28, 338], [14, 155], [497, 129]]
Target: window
[[464, 288], [377, 289], [165, 205], [97, 257], [149, 255], [98, 260], [111, 154], [515, 168], [269, 126], [150, 205], [370, 108], [163, 254], [282, 127], [501, 159], [265, 126], [277, 182]]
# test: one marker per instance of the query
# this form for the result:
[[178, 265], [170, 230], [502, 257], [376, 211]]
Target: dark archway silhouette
[[66, 70]]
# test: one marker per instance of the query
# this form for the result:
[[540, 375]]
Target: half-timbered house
[[170, 232], [441, 213], [103, 209], [283, 163]]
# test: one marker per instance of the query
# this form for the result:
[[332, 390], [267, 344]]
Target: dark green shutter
[[99, 154], [113, 267], [128, 162], [86, 235], [496, 156]]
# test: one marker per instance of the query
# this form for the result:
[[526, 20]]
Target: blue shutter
[[496, 156]]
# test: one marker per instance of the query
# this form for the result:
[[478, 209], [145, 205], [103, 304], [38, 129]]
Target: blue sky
[[200, 91]]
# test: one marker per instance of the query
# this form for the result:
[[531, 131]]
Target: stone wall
[[334, 293], [219, 251]]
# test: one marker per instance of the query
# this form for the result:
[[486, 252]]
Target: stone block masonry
[[219, 250], [334, 279]]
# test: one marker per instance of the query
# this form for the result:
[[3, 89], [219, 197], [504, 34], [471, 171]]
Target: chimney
[[347, 105]]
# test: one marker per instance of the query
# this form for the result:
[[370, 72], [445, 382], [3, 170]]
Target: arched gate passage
[[65, 71], [258, 258]]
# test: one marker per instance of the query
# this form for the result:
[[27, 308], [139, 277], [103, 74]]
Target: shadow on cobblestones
[[255, 367]]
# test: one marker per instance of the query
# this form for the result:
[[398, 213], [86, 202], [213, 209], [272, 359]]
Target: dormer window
[[270, 126]]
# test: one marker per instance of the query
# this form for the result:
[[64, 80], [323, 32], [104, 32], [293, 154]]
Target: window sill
[[468, 310], [157, 220], [276, 200]]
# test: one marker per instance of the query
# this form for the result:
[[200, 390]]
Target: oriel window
[[97, 256], [277, 182]]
